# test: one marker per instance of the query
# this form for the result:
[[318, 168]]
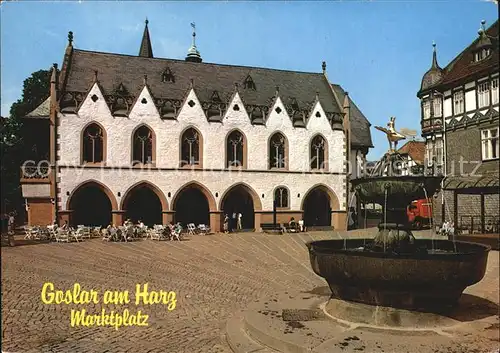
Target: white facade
[[166, 173]]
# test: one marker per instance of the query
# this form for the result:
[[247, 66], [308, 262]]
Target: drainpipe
[[274, 214], [53, 138]]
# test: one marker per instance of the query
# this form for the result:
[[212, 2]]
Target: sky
[[378, 51]]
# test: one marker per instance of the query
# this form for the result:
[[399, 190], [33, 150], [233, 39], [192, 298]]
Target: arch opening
[[317, 208], [91, 206], [191, 206], [143, 204], [239, 200]]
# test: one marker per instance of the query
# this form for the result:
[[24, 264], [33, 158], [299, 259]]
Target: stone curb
[[238, 340], [272, 341]]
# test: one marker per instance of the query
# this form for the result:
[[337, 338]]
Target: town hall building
[[162, 140]]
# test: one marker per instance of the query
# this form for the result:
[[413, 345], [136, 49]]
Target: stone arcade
[[162, 140]]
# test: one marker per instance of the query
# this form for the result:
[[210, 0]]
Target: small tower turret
[[193, 54]]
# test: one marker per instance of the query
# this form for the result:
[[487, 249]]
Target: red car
[[419, 213]]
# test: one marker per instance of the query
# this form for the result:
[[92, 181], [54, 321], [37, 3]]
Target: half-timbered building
[[460, 119]]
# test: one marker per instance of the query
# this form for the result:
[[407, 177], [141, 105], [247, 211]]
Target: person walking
[[238, 226]]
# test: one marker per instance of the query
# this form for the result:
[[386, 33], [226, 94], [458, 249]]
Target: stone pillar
[[215, 221], [118, 217], [257, 221], [339, 220], [167, 217], [63, 216]]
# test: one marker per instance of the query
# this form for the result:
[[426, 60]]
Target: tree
[[36, 89]]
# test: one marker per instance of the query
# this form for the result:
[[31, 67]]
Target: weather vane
[[392, 135]]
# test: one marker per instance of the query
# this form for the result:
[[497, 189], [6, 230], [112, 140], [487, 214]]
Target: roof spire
[[70, 38], [435, 64], [146, 49], [193, 54], [323, 66]]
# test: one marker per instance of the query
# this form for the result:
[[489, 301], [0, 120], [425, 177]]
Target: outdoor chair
[[203, 229], [165, 234], [128, 233], [62, 236], [38, 233], [150, 233], [191, 229], [155, 234], [141, 232], [52, 232], [43, 234], [84, 231], [77, 235], [107, 235], [29, 232]]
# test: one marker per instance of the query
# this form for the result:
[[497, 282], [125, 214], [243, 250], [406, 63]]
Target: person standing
[[239, 227], [226, 223], [11, 224], [11, 229], [233, 222], [351, 218]]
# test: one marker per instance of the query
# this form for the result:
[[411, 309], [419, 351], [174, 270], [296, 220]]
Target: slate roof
[[415, 149], [116, 69], [360, 126], [464, 66]]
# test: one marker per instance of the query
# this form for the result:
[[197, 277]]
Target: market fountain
[[392, 292], [394, 269]]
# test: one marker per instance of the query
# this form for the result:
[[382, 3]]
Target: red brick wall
[[281, 217], [40, 212]]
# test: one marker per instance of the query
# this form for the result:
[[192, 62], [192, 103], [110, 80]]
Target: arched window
[[318, 147], [281, 197], [277, 151], [143, 146], [235, 149], [190, 148], [93, 144]]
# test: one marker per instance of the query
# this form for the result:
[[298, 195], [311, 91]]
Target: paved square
[[213, 276]]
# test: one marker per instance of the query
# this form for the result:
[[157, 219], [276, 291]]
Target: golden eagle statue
[[392, 135]]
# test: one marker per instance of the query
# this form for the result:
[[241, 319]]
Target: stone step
[[238, 340]]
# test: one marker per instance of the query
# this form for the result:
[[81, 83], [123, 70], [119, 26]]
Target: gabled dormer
[[249, 84], [120, 101], [167, 76], [483, 48]]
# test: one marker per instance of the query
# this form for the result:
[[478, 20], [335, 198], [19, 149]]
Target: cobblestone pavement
[[213, 276]]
